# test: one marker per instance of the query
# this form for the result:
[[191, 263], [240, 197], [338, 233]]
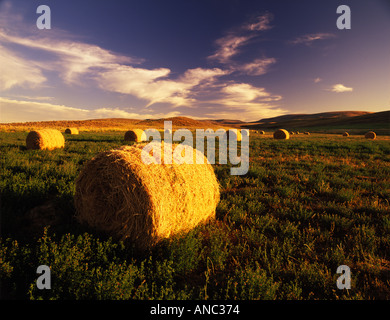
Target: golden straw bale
[[136, 135], [345, 134], [236, 134], [262, 132], [45, 139], [370, 135], [281, 134], [245, 132], [120, 194], [72, 131], [307, 133]]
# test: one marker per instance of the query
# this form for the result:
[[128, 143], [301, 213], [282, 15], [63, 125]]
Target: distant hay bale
[[136, 135], [45, 139], [370, 135], [345, 134], [236, 134], [291, 132], [120, 195], [245, 132], [307, 133], [281, 134], [297, 132], [72, 131], [262, 132]]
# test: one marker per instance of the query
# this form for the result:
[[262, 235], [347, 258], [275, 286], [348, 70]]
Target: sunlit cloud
[[257, 67], [60, 59], [12, 110], [340, 88], [153, 86], [261, 23], [16, 71], [317, 80], [230, 45], [307, 39], [246, 102]]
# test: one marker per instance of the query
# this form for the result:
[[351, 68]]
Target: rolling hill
[[328, 121], [331, 122]]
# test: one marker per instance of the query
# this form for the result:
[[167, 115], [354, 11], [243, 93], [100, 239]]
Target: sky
[[204, 59]]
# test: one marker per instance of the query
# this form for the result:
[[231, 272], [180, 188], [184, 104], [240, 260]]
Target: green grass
[[306, 206]]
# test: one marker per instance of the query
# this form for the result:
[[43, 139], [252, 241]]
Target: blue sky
[[206, 59]]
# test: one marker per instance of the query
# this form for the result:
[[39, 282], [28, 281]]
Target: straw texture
[[45, 139], [121, 195]]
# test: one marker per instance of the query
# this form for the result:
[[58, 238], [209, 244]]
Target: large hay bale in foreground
[[72, 131], [117, 193], [345, 134], [281, 134], [370, 135], [45, 139], [234, 133], [136, 135]]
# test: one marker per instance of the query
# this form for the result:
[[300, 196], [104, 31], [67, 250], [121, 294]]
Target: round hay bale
[[120, 195], [291, 132], [370, 135], [281, 134], [262, 132], [45, 139], [245, 132], [307, 133], [136, 135], [345, 134], [236, 134], [72, 131]]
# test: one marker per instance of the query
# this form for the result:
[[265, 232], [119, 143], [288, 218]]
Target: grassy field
[[306, 206]]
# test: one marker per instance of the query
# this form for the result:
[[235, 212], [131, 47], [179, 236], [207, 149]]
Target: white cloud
[[317, 80], [27, 111], [245, 102], [340, 88], [78, 63], [261, 23], [257, 67], [16, 71], [153, 86], [70, 58], [307, 39], [229, 45]]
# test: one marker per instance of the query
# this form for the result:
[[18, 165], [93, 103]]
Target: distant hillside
[[343, 120], [353, 121], [184, 122], [114, 124]]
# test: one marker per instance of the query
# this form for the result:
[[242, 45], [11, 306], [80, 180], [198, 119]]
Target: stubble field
[[306, 206]]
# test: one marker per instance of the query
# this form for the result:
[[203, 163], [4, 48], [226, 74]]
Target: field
[[306, 206]]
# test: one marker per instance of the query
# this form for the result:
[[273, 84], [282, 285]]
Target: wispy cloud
[[257, 67], [307, 39], [340, 88], [229, 45], [246, 102], [16, 71], [317, 80], [260, 23], [13, 110], [71, 62]]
